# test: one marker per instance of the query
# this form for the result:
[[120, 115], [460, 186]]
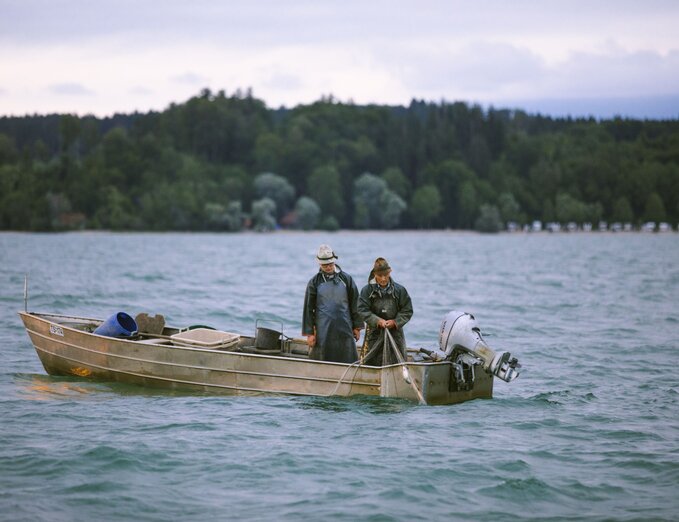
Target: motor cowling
[[460, 332]]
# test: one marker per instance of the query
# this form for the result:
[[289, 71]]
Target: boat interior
[[153, 330]]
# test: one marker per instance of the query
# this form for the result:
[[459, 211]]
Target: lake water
[[589, 431]]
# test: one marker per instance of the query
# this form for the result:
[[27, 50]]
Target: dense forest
[[220, 162]]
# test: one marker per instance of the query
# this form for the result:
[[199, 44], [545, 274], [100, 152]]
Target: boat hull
[[65, 350]]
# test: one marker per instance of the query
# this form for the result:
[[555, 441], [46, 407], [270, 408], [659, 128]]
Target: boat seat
[[207, 338], [150, 324]]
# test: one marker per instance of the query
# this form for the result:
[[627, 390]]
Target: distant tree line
[[221, 162]]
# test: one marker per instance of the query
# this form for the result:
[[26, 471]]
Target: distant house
[[289, 220], [71, 221]]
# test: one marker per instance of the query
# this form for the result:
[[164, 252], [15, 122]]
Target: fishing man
[[330, 320], [384, 304]]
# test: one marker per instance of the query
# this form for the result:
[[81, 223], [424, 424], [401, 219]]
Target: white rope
[[359, 363], [400, 359]]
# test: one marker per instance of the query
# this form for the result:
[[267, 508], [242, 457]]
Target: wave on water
[[146, 277]]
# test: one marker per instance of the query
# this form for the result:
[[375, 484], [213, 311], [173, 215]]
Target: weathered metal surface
[[65, 348]]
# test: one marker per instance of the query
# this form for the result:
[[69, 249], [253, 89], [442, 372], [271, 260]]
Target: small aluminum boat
[[177, 360]]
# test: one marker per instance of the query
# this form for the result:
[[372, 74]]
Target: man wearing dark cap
[[330, 320], [384, 304]]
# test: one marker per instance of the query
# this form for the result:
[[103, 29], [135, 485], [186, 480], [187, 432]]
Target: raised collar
[[329, 277], [377, 289]]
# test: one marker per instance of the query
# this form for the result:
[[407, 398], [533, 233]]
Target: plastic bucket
[[118, 325]]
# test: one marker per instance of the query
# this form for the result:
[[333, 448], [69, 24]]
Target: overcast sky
[[580, 57]]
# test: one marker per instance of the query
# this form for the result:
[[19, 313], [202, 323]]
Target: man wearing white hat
[[330, 320]]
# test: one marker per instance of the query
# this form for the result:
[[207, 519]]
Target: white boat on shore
[[228, 363]]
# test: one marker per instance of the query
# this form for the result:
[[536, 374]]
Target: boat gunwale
[[42, 315]]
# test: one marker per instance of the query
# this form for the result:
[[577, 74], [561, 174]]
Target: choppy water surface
[[590, 431]]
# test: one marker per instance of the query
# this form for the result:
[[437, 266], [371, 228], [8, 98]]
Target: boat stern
[[437, 383]]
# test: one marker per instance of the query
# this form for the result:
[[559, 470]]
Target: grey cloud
[[33, 22], [607, 84], [139, 90], [486, 71], [271, 22], [283, 81], [190, 78], [649, 107], [482, 67], [384, 31], [617, 73], [70, 89]]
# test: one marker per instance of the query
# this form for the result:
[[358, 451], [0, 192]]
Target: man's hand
[[391, 324], [357, 333], [311, 341], [381, 323]]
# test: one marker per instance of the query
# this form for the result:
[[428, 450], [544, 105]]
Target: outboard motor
[[460, 337]]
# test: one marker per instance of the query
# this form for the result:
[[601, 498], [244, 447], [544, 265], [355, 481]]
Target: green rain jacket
[[391, 302]]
